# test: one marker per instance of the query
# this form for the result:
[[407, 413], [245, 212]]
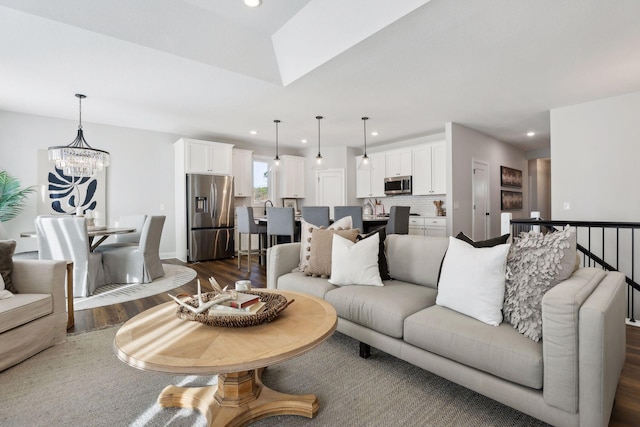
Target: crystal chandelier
[[78, 158]]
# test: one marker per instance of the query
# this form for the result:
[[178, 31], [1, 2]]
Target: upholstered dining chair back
[[355, 212], [65, 237], [247, 225], [316, 215], [136, 264], [130, 221], [280, 222], [398, 220]]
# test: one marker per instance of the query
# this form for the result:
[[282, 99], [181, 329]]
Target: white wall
[[464, 145], [139, 180], [595, 149]]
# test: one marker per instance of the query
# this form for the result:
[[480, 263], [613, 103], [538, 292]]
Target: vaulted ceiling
[[217, 69]]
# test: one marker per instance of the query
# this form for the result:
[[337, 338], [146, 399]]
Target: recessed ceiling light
[[253, 3], [253, 132], [304, 141], [374, 133], [531, 133]]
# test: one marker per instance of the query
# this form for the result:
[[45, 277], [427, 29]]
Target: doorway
[[481, 207], [330, 188]]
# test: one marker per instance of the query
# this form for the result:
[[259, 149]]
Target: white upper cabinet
[[370, 183], [206, 157], [242, 172], [430, 169], [398, 163], [291, 177]]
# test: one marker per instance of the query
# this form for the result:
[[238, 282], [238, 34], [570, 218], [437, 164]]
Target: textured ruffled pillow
[[536, 263], [306, 232]]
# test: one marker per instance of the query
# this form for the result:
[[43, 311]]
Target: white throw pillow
[[306, 231], [472, 280], [355, 263]]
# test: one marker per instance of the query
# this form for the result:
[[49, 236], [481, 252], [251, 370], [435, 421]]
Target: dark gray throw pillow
[[383, 267], [7, 248], [489, 243]]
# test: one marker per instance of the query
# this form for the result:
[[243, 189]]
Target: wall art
[[510, 200], [510, 177]]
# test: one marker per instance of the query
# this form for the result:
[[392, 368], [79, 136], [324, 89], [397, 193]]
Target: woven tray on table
[[274, 304]]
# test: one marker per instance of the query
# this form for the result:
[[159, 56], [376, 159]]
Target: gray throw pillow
[[536, 263], [7, 248]]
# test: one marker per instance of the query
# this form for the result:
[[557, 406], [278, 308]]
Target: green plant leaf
[[12, 197]]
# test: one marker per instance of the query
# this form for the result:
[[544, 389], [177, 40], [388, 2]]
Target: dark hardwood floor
[[626, 411]]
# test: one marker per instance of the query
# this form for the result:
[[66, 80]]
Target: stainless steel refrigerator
[[210, 217]]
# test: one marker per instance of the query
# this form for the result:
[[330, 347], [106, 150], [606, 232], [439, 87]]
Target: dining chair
[[130, 221], [247, 225], [355, 212], [65, 238], [280, 222], [398, 220], [316, 215], [135, 263]]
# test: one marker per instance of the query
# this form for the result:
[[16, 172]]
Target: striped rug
[[174, 277]]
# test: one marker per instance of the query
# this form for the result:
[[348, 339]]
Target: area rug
[[174, 277], [82, 383]]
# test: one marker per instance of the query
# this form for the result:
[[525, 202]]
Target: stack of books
[[243, 305]]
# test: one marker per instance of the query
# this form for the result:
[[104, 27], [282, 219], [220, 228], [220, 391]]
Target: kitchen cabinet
[[422, 226], [206, 157], [370, 183], [398, 163], [242, 173], [291, 177], [430, 169]]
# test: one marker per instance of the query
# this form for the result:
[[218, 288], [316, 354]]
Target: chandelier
[[79, 159]]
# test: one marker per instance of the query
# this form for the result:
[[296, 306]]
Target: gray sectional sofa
[[569, 378]]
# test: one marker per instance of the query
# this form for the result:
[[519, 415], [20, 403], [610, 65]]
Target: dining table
[[100, 231]]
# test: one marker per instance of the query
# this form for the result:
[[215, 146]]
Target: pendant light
[[276, 159], [318, 164], [79, 159], [365, 162]]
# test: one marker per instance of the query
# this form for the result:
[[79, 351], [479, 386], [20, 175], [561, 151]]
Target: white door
[[480, 185], [330, 188]]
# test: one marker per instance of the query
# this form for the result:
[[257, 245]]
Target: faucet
[[265, 205]]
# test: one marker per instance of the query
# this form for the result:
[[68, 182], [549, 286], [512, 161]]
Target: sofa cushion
[[381, 308], [297, 281], [23, 308], [7, 248], [306, 231], [536, 263], [355, 263], [500, 351], [472, 280], [416, 259], [383, 266], [321, 248]]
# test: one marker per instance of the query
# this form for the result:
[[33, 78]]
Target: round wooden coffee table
[[156, 340]]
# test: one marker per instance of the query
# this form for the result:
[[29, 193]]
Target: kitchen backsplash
[[422, 205]]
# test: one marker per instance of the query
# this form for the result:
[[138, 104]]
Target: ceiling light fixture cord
[[277, 158], [319, 156], [364, 123]]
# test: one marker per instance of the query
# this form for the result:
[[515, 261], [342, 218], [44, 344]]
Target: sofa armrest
[[602, 349], [560, 329], [32, 276], [281, 259]]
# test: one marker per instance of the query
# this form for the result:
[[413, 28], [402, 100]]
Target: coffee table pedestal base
[[238, 399]]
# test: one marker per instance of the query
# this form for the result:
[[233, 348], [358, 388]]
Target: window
[[260, 181]]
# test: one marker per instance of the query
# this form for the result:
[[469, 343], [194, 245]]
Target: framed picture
[[290, 203], [510, 200], [510, 177]]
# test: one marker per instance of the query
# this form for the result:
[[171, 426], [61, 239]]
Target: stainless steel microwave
[[397, 185]]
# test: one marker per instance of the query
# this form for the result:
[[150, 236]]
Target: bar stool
[[247, 225], [316, 215], [355, 212], [280, 222], [398, 220]]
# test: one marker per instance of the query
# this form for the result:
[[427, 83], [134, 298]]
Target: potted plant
[[12, 197]]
